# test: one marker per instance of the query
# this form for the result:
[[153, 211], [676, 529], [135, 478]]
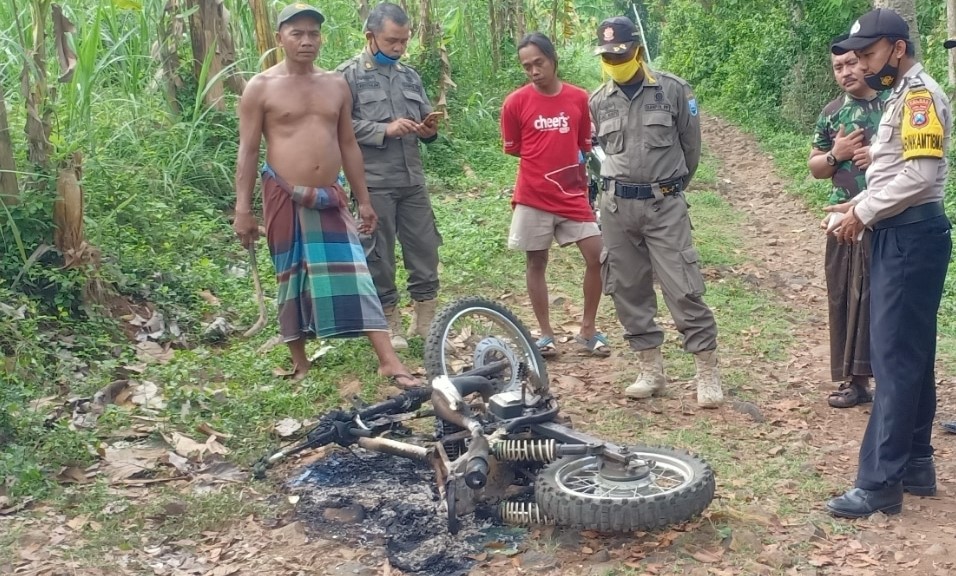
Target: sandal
[[848, 396], [545, 345], [949, 426], [404, 381], [595, 345]]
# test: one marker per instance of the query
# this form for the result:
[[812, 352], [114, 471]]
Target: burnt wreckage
[[501, 442]]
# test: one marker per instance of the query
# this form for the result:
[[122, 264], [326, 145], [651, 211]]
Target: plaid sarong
[[324, 286]]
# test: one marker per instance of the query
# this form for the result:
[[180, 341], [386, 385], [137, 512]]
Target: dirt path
[[786, 242], [780, 528]]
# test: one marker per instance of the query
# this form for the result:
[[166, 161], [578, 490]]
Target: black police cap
[[616, 35], [872, 26]]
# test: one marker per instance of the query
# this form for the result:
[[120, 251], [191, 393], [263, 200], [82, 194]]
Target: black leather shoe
[[919, 478], [860, 503]]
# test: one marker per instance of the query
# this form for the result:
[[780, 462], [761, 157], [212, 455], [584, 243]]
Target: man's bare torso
[[300, 124]]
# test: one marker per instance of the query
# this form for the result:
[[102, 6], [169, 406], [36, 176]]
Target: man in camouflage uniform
[[390, 114], [647, 123], [912, 246], [840, 152]]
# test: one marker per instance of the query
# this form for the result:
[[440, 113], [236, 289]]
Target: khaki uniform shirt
[[908, 155], [381, 94], [653, 137]]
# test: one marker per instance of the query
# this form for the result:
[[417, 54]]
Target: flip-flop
[[545, 345], [397, 380], [949, 426], [595, 345]]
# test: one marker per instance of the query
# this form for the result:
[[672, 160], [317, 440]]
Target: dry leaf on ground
[[287, 427], [147, 395], [149, 351], [123, 463]]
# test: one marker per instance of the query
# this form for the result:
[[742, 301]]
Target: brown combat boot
[[709, 392], [651, 380], [394, 317], [422, 315]]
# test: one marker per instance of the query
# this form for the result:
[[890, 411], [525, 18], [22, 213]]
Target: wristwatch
[[831, 159]]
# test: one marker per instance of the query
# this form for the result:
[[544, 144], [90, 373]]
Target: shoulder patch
[[921, 128], [692, 105]]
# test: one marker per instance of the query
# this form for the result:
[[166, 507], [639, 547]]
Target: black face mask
[[885, 78]]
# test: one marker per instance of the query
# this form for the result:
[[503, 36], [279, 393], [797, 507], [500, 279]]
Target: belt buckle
[[668, 190]]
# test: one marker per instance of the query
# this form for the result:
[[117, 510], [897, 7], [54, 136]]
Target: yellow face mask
[[624, 71]]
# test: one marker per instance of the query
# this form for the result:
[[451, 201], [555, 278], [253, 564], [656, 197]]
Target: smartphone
[[432, 118]]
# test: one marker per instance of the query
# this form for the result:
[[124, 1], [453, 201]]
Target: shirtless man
[[304, 113]]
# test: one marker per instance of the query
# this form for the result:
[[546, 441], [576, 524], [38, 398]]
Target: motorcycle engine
[[508, 405]]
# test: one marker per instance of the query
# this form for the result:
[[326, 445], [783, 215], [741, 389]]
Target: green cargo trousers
[[404, 213], [644, 239]]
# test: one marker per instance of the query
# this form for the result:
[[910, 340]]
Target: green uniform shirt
[[652, 137], [381, 94], [851, 113]]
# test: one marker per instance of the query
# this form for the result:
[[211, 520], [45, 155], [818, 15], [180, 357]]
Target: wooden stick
[[260, 298]]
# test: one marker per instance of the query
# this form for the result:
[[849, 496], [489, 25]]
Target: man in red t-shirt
[[547, 124]]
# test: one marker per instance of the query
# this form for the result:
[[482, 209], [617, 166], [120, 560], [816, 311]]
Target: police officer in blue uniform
[[911, 249]]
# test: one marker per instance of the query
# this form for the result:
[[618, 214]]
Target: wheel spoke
[[584, 478]]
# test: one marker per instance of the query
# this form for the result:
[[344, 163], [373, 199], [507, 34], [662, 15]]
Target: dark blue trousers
[[907, 271]]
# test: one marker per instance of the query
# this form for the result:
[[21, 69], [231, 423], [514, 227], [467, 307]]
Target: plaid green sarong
[[324, 286]]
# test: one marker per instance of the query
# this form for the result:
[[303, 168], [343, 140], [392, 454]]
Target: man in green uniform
[[391, 113], [841, 144], [648, 125], [912, 245]]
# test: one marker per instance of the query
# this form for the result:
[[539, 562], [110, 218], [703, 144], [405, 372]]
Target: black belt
[[642, 191], [912, 215]]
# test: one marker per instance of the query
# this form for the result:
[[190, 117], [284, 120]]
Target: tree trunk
[[494, 27], [9, 191], [202, 37], [170, 32], [363, 9], [906, 9], [265, 32], [951, 33], [226, 49], [35, 91]]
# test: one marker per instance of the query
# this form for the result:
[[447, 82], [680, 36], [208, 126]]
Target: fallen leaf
[[208, 430], [178, 462], [320, 353], [147, 395], [123, 463], [223, 471], [820, 561], [15, 508], [149, 351], [71, 475], [78, 523], [291, 534], [209, 297], [287, 427], [705, 556]]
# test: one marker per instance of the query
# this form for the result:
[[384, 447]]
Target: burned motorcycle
[[500, 440]]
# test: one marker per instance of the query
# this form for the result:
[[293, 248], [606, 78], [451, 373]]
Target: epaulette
[[347, 64]]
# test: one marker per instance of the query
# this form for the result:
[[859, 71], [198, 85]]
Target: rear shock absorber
[[525, 450], [522, 514]]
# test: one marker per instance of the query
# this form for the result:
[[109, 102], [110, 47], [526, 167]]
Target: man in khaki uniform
[[911, 248], [390, 114], [647, 122]]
